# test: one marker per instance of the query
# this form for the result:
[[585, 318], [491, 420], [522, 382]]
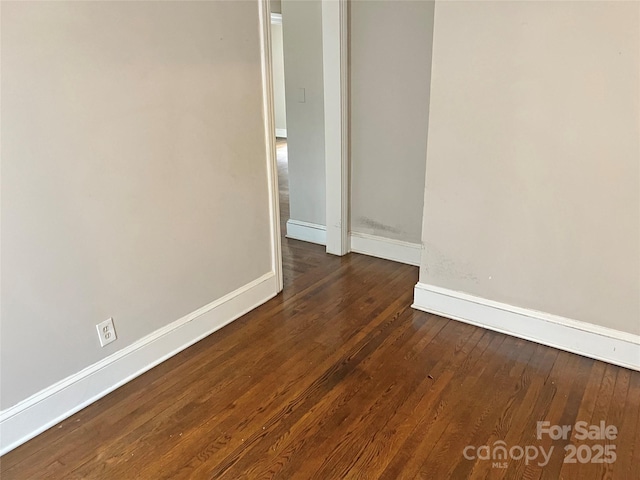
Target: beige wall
[[390, 54], [533, 164], [134, 180], [302, 30], [277, 55]]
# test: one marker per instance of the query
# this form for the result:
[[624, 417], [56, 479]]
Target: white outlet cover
[[106, 332]]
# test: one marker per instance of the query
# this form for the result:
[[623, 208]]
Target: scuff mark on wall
[[441, 265], [377, 226]]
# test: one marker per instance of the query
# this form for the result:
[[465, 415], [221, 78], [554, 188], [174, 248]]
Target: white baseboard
[[281, 132], [396, 250], [61, 400], [308, 232], [593, 341]]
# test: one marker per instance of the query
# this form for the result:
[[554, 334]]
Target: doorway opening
[[326, 92]]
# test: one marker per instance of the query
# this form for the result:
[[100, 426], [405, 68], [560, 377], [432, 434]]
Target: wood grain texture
[[335, 378]]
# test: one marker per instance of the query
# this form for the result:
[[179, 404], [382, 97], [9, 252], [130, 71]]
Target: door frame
[[268, 113], [335, 66]]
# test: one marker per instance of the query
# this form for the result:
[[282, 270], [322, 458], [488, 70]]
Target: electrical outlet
[[106, 332]]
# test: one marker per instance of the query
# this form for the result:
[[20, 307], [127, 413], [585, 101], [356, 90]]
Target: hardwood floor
[[338, 377]]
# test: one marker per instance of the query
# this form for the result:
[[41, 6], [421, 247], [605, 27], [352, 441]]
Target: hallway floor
[[338, 377]]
